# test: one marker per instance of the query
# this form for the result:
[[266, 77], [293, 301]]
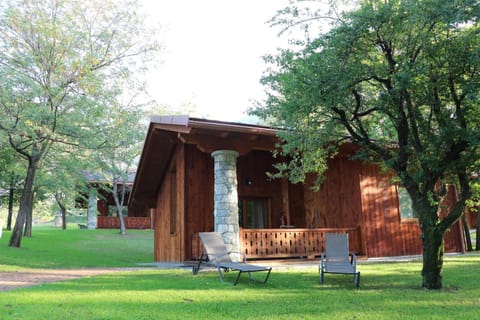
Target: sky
[[212, 58]]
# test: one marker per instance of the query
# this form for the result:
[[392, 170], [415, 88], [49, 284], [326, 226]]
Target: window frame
[[243, 211]]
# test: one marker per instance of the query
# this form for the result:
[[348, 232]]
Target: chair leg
[[220, 274], [238, 278], [222, 279], [196, 268], [251, 278], [356, 279], [321, 276]]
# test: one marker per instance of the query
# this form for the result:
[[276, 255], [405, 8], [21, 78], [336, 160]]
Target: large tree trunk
[[64, 218], [63, 210], [433, 250], [10, 203], [25, 202], [27, 231], [29, 219], [434, 227]]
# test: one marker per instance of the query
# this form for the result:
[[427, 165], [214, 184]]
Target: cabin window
[[173, 202], [405, 204], [253, 213]]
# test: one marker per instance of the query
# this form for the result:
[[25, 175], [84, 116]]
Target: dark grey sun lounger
[[337, 258]]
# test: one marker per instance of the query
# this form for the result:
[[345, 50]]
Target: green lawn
[[388, 290], [77, 248]]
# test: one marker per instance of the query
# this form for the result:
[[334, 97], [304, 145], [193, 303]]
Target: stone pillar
[[226, 199], [92, 209]]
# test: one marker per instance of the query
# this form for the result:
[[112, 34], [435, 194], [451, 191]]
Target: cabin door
[[253, 213]]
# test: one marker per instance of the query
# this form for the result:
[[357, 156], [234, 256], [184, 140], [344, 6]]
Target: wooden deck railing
[[104, 222], [287, 243], [283, 243]]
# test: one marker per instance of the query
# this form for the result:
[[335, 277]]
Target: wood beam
[[238, 142]]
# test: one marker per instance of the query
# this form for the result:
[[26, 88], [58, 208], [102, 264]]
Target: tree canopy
[[401, 79], [64, 65]]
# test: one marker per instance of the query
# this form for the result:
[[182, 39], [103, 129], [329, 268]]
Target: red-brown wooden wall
[[198, 188], [169, 246]]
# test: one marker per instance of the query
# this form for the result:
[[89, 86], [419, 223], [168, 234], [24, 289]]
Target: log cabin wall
[[337, 203], [169, 213], [297, 206], [199, 189], [384, 232], [254, 183]]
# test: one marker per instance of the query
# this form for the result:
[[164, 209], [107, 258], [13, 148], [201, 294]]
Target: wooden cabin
[[179, 182], [105, 211]]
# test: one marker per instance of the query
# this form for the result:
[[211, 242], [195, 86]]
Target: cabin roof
[[165, 133]]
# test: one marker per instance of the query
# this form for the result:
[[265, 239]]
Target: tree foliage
[[63, 65], [402, 80], [117, 159]]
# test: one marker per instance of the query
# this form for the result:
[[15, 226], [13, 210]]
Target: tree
[[63, 178], [10, 179], [117, 158], [62, 64], [401, 79]]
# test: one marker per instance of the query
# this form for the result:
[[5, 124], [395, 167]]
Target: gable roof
[[166, 132]]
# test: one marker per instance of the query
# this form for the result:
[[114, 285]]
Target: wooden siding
[[297, 206], [385, 233], [198, 188], [337, 203], [169, 246]]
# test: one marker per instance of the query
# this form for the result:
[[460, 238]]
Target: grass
[[77, 248], [388, 290]]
